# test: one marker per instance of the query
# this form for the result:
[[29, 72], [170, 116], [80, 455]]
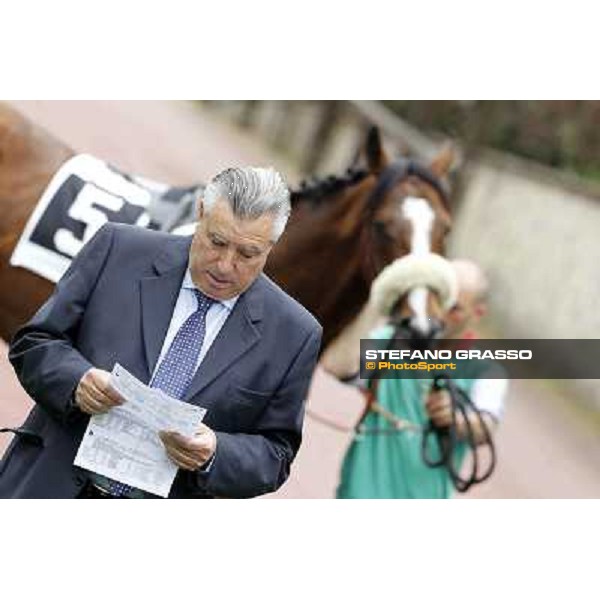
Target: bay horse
[[342, 232]]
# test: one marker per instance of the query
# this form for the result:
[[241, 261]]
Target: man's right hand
[[94, 395]]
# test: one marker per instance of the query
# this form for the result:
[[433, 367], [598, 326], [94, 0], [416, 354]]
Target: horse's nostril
[[408, 328], [403, 323]]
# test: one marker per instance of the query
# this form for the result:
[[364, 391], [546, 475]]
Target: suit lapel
[[158, 296], [237, 336]]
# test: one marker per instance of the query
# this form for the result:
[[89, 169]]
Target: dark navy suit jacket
[[114, 304]]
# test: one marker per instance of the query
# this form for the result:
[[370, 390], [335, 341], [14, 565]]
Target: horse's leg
[[29, 157]]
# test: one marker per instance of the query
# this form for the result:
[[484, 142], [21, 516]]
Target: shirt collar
[[188, 284]]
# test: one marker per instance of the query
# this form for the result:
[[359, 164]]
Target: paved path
[[547, 447]]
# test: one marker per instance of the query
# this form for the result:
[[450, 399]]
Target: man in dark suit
[[195, 317]]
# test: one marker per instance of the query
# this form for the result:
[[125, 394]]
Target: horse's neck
[[319, 261], [29, 156]]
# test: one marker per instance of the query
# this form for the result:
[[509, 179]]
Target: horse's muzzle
[[417, 338]]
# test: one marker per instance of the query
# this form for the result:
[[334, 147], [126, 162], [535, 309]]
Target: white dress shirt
[[186, 305]]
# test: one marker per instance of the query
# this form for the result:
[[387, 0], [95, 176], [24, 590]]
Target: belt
[[94, 491]]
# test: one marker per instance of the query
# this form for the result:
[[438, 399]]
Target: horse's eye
[[445, 227], [381, 231]]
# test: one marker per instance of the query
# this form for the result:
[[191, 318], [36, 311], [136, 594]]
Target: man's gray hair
[[251, 192]]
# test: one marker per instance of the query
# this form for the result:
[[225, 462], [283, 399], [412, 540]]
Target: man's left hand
[[190, 453]]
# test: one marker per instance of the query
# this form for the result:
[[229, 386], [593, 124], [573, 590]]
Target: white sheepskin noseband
[[404, 274]]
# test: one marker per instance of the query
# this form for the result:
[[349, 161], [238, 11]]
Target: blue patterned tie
[[177, 368]]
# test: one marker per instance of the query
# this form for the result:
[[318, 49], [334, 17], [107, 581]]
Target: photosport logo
[[491, 359]]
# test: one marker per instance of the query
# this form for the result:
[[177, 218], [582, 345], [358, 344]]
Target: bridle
[[389, 178]]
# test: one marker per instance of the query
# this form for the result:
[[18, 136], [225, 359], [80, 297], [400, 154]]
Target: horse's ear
[[376, 157], [441, 164]]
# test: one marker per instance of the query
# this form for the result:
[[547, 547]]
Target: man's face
[[467, 311], [227, 253]]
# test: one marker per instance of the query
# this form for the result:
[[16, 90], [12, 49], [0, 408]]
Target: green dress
[[390, 465]]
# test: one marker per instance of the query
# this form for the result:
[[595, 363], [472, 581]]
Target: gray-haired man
[[194, 317]]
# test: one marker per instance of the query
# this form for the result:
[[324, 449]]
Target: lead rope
[[448, 439]]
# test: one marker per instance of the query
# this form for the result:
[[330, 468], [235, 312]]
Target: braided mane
[[317, 189]]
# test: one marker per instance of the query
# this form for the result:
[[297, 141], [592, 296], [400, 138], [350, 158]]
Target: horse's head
[[407, 215]]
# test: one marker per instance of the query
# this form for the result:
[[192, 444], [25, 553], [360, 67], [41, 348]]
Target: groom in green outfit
[[391, 465]]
